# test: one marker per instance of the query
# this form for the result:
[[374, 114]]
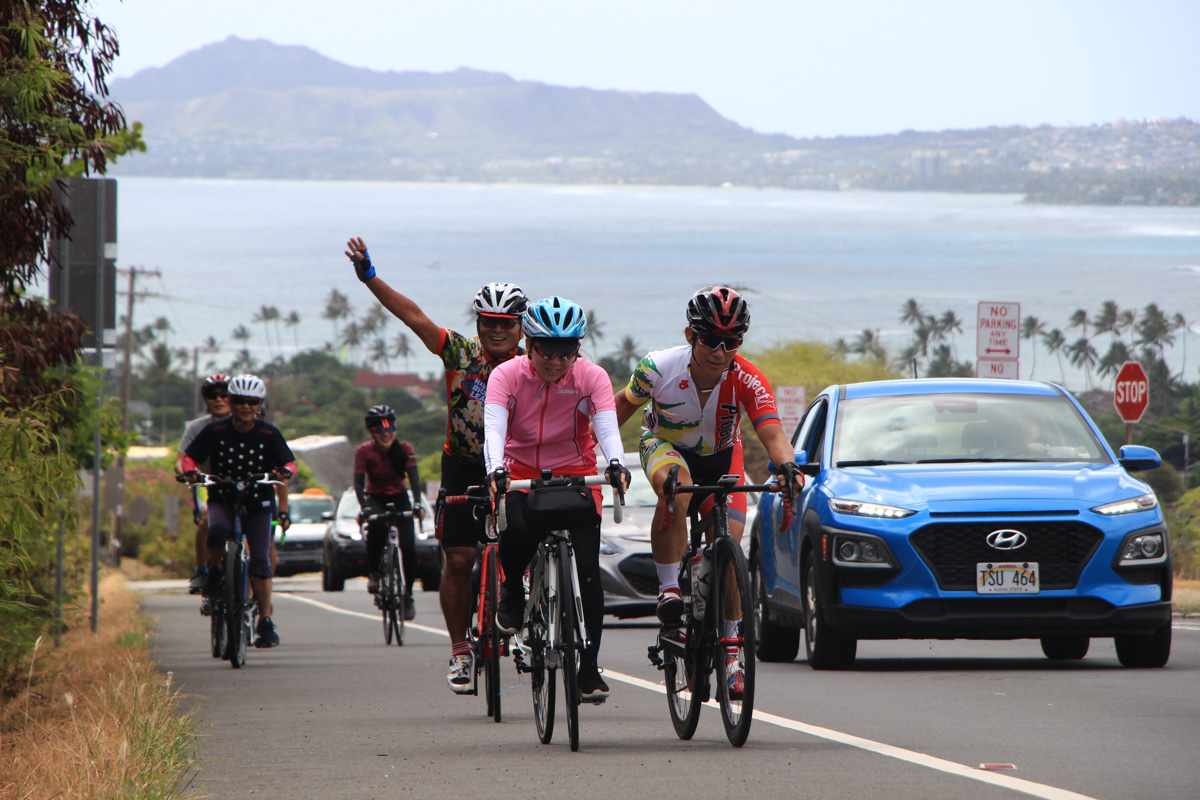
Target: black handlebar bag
[[560, 508]]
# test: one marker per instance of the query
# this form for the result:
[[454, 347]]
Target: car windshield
[[348, 508], [931, 428], [308, 509]]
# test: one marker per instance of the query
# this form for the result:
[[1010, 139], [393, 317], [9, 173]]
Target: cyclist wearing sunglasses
[[697, 395], [243, 447], [216, 400], [381, 467], [536, 418], [468, 362]]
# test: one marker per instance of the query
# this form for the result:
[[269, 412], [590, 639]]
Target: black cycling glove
[[364, 267], [616, 471], [788, 472]]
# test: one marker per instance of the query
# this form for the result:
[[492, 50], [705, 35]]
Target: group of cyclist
[[513, 412]]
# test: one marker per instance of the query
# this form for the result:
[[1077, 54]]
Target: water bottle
[[700, 566]]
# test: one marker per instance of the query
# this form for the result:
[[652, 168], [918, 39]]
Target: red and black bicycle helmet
[[214, 386], [719, 310]]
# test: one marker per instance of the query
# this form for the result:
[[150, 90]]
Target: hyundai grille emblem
[[1007, 540]]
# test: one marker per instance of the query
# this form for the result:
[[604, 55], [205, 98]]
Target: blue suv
[[962, 508]]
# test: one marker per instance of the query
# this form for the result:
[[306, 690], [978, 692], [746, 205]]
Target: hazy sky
[[803, 67]]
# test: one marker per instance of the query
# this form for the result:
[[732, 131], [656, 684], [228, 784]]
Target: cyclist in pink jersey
[[536, 417], [468, 362], [697, 395]]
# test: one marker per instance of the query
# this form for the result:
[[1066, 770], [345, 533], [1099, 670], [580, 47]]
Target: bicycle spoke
[[733, 608]]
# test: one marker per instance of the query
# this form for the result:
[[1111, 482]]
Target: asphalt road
[[334, 713]]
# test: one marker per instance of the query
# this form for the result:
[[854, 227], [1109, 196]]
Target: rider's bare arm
[[401, 306]]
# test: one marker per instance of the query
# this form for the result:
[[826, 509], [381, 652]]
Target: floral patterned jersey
[[468, 366]]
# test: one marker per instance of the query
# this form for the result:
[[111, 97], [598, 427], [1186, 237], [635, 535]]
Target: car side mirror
[[803, 462], [1136, 458], [327, 516]]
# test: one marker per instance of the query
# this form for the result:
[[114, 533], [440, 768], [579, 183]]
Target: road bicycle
[[233, 611], [716, 633], [488, 643], [393, 584], [554, 632]]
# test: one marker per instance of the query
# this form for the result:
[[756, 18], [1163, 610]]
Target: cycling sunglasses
[[551, 349], [714, 340], [504, 323], [239, 400], [213, 392]]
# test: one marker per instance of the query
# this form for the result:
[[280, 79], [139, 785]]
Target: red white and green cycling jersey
[[675, 414], [468, 367]]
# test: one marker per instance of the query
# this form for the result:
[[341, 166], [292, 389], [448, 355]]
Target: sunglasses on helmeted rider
[[213, 393], [504, 323], [238, 400], [714, 340], [556, 348]]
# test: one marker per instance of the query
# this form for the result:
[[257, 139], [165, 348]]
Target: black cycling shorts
[[460, 527]]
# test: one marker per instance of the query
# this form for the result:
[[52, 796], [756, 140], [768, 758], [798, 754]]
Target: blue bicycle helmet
[[554, 318]]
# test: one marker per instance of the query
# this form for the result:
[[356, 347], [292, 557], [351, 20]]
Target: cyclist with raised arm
[[243, 448], [216, 401], [536, 418], [381, 467], [468, 361], [697, 395]]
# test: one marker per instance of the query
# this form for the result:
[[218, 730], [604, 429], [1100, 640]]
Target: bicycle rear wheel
[[568, 644], [216, 627], [732, 606], [235, 606], [543, 675], [490, 634]]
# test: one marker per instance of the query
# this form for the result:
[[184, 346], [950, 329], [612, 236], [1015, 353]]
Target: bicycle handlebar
[[564, 480], [726, 485]]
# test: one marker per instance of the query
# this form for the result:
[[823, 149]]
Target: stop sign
[[1131, 394]]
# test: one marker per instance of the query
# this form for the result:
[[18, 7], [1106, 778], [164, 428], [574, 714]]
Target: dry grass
[[96, 719], [1185, 596]]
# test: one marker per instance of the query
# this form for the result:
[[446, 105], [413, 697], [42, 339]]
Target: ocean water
[[814, 265]]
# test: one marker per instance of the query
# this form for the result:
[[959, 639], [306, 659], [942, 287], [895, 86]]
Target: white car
[[299, 550]]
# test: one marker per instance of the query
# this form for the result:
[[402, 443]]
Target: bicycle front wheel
[[732, 606], [491, 635], [686, 685], [216, 627], [388, 596], [567, 644], [235, 606], [543, 675]]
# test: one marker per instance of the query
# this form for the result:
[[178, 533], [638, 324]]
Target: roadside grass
[[96, 719], [1185, 596]]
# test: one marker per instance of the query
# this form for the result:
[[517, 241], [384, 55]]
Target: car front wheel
[[775, 642], [331, 579], [1140, 650], [823, 646], [1067, 647]]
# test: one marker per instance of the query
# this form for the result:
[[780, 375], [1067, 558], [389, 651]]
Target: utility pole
[[130, 295]]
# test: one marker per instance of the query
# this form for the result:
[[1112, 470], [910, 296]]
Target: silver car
[[626, 563]]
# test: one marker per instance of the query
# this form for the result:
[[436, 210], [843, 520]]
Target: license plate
[[1007, 577]]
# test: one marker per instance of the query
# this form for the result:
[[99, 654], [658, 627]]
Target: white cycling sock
[[668, 575]]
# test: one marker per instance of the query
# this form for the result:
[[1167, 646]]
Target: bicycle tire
[[235, 578], [401, 591], [567, 644], [683, 699], [732, 605], [216, 627], [387, 595], [543, 677], [493, 639]]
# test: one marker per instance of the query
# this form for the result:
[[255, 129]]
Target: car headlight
[[868, 509], [1129, 506], [1143, 549], [608, 547]]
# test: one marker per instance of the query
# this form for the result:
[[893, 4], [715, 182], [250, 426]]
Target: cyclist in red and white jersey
[[468, 362], [546, 411], [697, 395]]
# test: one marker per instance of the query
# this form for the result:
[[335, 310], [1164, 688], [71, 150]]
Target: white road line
[[910, 756]]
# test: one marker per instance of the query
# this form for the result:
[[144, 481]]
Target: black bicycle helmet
[[380, 416], [214, 386], [720, 310]]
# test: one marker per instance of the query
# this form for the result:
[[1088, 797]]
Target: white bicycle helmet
[[247, 386], [505, 299]]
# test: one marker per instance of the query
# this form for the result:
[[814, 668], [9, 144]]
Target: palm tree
[[352, 337], [375, 320], [274, 316], [1108, 319], [242, 334], [839, 349], [1154, 330], [1055, 342], [1079, 319], [1180, 324], [1082, 354], [380, 354], [912, 313], [264, 316], [401, 348], [629, 353], [337, 307], [1032, 328], [163, 326], [1118, 353], [292, 320], [867, 344], [1127, 321], [948, 325], [243, 363], [211, 347], [595, 329]]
